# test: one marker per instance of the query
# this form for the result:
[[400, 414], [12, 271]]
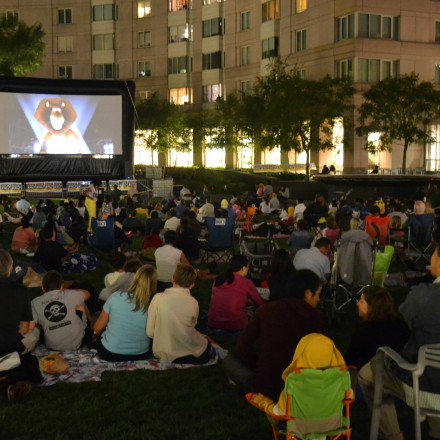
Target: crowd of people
[[146, 309]]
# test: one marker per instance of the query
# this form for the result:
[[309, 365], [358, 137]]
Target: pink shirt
[[227, 310], [23, 239]]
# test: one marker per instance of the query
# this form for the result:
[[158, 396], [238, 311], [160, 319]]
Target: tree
[[21, 47], [299, 113], [399, 109]]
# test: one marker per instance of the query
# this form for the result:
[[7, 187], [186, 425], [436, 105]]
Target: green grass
[[194, 404]]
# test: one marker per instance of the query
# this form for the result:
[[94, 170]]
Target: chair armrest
[[400, 361]]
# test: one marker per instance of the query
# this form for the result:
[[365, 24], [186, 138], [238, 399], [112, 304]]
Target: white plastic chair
[[424, 403]]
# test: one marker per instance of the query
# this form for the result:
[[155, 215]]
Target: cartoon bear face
[[55, 114]]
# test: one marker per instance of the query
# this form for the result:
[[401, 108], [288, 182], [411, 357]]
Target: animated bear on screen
[[58, 117]]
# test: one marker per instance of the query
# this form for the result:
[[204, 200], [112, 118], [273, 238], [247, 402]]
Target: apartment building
[[192, 51]]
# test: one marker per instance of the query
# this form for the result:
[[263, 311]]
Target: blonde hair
[[354, 223], [143, 287]]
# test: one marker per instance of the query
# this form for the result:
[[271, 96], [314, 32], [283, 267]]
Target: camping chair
[[318, 404], [382, 263], [378, 228], [103, 235], [424, 403], [219, 243], [420, 230]]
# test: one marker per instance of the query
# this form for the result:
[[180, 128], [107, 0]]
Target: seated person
[[61, 313], [153, 225], [187, 241], [300, 239], [277, 326], [172, 317], [265, 207], [124, 280], [315, 259], [280, 273], [117, 261], [379, 327], [24, 239], [167, 259], [313, 351], [230, 296], [132, 223], [78, 230], [124, 318]]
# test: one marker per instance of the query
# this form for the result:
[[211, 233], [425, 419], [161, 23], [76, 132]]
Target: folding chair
[[103, 236], [424, 403], [318, 405], [220, 240], [420, 236], [382, 264], [378, 228]]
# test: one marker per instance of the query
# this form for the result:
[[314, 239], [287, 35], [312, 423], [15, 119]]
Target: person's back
[[56, 312]]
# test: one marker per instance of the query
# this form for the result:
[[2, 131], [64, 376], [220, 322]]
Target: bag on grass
[[54, 364]]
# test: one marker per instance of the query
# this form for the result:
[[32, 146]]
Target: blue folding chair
[[103, 235], [420, 236], [219, 244]]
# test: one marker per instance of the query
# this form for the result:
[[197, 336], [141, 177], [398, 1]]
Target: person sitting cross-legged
[[172, 317], [61, 313]]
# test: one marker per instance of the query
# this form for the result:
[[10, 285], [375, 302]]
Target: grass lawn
[[195, 403]]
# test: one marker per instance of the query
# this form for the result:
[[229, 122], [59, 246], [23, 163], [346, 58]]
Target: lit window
[[245, 55], [64, 16], [212, 2], [144, 68], [301, 6], [104, 12], [103, 42], [245, 20], [181, 96], [65, 72], [270, 10], [144, 39], [301, 40], [144, 9], [105, 71], [183, 32], [65, 44], [177, 5], [212, 92]]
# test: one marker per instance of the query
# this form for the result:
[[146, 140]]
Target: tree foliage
[[399, 109], [21, 47]]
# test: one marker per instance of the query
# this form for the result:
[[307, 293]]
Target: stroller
[[258, 251], [352, 270]]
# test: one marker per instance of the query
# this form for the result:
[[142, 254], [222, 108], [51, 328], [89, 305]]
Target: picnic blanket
[[86, 366]]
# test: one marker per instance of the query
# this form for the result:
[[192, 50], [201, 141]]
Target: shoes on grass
[[19, 390]]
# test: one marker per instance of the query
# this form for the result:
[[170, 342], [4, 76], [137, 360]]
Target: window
[[10, 16], [270, 10], [300, 6], [344, 69], [178, 65], [245, 21], [103, 42], [144, 39], [245, 87], [437, 31], [177, 5], [183, 32], [212, 2], [65, 72], [144, 68], [301, 73], [213, 27], [65, 44], [212, 92], [377, 26], [181, 96], [105, 71], [144, 9], [437, 74], [301, 40], [245, 55], [345, 27], [371, 70], [269, 48], [64, 16], [212, 60], [104, 12]]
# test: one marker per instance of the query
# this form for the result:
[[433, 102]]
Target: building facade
[[193, 51]]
